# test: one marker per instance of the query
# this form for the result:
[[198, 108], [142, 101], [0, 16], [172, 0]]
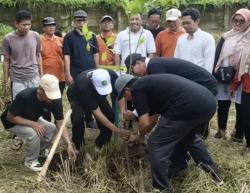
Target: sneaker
[[34, 165], [92, 124]]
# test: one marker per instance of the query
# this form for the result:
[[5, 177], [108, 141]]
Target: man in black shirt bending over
[[88, 93], [23, 118], [183, 106], [141, 66]]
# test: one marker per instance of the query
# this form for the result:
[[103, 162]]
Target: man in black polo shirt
[[88, 93], [183, 106], [142, 66], [23, 118], [81, 52]]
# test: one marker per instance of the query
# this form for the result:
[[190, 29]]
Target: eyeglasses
[[240, 21]]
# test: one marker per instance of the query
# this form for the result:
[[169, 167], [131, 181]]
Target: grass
[[112, 171]]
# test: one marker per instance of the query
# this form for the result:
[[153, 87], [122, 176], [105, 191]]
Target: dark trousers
[[222, 117], [169, 143], [47, 114], [245, 115], [78, 126]]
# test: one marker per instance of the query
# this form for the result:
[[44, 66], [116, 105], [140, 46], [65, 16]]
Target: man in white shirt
[[196, 45], [134, 39]]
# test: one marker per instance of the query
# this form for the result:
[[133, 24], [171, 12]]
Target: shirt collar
[[140, 31]]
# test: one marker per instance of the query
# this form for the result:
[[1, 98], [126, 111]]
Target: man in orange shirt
[[166, 40], [52, 57], [106, 41]]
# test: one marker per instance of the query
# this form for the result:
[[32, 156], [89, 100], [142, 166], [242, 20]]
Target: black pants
[[222, 117], [47, 114], [245, 115], [168, 145], [78, 126]]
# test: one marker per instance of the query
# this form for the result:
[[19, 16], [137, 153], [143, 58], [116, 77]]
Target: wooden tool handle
[[43, 172]]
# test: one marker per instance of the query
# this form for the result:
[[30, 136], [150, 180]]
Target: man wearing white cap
[[196, 45], [88, 93], [23, 118], [166, 40]]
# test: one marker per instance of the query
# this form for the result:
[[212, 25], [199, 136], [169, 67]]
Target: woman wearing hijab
[[229, 53]]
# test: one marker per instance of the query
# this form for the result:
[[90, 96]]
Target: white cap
[[173, 14], [50, 85], [101, 80]]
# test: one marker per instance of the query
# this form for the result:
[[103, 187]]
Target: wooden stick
[[43, 172]]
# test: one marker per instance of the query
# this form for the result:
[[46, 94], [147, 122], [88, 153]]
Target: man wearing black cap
[[183, 106], [106, 40], [52, 57], [80, 50]]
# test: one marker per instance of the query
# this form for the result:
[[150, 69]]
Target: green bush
[[4, 29]]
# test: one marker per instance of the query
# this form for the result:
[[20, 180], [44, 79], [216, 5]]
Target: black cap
[[80, 13], [48, 21], [106, 17], [132, 58]]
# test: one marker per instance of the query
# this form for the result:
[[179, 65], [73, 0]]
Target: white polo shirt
[[141, 42], [200, 50]]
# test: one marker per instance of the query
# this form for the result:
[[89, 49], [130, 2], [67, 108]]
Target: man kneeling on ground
[[23, 118]]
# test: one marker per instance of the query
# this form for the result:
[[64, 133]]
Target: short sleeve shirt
[[84, 91], [23, 51], [81, 52], [27, 105], [183, 68], [172, 96], [141, 42]]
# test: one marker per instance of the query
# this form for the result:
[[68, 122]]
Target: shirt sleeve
[[66, 46], [17, 106], [95, 48], [38, 46], [150, 43], [209, 53], [140, 101], [57, 109], [158, 44], [117, 45], [6, 47]]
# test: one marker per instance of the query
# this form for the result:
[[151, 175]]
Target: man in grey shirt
[[22, 62]]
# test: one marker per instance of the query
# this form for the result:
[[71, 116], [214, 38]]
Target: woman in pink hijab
[[242, 78], [229, 53]]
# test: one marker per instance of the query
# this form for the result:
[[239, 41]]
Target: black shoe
[[213, 171]]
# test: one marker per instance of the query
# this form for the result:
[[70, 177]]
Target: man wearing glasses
[[80, 50]]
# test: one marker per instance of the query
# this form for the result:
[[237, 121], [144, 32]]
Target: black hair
[[58, 33], [193, 12], [154, 11], [22, 15]]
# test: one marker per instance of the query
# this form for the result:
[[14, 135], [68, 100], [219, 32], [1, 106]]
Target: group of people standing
[[176, 93]]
